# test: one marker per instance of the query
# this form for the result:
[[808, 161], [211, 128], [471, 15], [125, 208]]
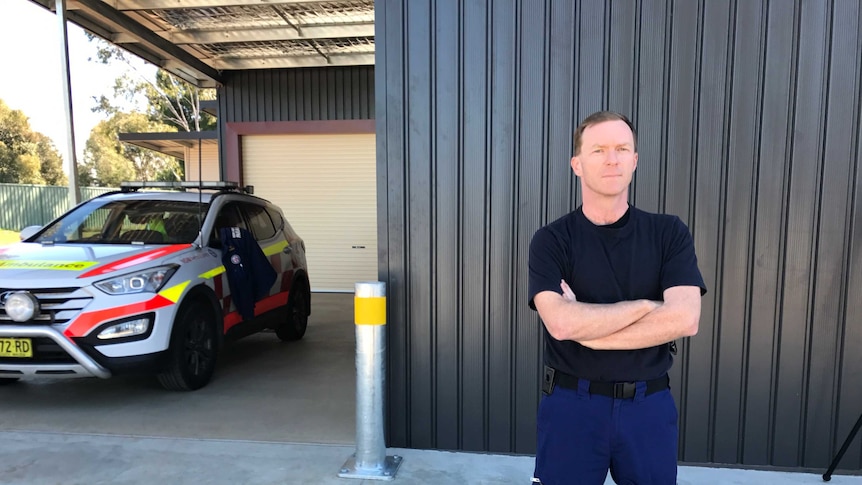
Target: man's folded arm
[[678, 316], [569, 319]]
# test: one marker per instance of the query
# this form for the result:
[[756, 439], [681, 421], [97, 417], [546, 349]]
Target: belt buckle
[[624, 390]]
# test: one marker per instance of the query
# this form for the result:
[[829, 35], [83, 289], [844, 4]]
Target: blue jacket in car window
[[249, 273]]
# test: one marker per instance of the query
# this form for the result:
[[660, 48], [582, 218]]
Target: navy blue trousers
[[581, 437]]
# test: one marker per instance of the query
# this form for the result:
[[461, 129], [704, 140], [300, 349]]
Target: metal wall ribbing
[[332, 93], [749, 121]]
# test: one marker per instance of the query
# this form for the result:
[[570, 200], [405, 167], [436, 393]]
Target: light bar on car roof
[[213, 185]]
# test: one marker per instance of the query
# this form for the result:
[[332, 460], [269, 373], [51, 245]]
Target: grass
[[8, 237]]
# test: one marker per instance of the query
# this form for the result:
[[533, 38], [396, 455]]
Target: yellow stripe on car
[[212, 273], [174, 292], [275, 248], [54, 265], [268, 251]]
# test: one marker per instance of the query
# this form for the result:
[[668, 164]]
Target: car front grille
[[57, 305]]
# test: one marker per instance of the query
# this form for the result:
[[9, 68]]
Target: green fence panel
[[88, 193], [35, 205]]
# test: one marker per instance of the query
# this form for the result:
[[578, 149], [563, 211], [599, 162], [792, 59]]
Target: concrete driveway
[[263, 390]]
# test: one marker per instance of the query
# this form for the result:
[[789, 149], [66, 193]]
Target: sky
[[31, 75]]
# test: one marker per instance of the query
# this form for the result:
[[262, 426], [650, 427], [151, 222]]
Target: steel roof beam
[[101, 8], [268, 33], [238, 63], [123, 5]]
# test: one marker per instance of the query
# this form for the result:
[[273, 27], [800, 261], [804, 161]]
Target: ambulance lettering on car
[[133, 282], [58, 265]]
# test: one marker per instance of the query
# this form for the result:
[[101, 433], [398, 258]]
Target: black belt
[[616, 390]]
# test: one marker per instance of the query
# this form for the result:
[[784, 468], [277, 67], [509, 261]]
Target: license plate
[[16, 347]]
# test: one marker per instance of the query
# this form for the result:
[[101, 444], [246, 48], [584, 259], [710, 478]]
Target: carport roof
[[197, 40], [173, 144]]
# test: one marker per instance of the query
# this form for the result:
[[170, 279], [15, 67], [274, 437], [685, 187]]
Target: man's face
[[607, 159]]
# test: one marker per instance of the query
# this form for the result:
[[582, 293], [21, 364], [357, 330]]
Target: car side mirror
[[28, 232]]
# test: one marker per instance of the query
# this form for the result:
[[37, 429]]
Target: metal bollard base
[[386, 472]]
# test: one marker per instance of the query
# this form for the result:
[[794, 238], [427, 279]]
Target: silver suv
[[141, 281]]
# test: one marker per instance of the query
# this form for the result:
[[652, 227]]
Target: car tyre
[[298, 308], [193, 350]]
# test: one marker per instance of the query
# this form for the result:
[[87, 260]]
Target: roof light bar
[[223, 186], [179, 185]]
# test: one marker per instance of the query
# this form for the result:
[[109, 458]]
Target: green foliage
[[169, 100], [169, 104], [27, 157], [51, 163], [108, 162], [177, 103]]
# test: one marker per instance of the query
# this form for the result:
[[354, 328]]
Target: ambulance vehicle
[[138, 281]]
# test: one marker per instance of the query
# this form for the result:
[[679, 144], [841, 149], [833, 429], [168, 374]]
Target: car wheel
[[8, 380], [296, 321], [193, 350]]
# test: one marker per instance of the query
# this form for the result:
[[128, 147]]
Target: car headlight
[[21, 306], [150, 280]]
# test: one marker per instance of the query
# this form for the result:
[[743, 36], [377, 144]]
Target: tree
[[170, 100], [8, 163], [51, 166], [27, 157], [170, 105], [108, 162], [177, 103]]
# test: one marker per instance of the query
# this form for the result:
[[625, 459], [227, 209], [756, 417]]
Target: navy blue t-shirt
[[639, 259]]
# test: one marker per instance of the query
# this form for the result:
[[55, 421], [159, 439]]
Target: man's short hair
[[601, 117]]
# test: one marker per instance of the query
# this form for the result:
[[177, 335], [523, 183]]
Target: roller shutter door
[[202, 163], [326, 186]]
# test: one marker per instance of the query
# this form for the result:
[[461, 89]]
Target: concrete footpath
[[28, 457]]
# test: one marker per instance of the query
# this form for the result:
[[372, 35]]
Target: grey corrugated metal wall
[[332, 93], [749, 120]]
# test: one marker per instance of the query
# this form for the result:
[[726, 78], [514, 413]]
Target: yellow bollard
[[370, 460]]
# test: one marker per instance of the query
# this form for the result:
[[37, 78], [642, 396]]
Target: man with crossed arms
[[614, 287]]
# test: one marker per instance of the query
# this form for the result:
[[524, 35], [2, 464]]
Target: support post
[[370, 460], [71, 157]]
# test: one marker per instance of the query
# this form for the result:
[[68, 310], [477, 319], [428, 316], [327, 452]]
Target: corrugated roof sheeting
[[749, 122], [198, 40]]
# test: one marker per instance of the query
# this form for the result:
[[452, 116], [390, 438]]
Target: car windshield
[[105, 221]]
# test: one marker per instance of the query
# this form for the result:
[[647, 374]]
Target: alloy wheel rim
[[198, 348], [300, 316]]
